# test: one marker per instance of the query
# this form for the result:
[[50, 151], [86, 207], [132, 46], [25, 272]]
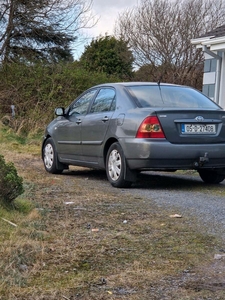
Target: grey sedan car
[[126, 128]]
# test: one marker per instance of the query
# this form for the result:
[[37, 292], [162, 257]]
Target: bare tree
[[159, 33], [41, 28]]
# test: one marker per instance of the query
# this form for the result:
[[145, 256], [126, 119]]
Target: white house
[[213, 45]]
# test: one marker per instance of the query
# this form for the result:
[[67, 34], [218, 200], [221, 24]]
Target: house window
[[209, 90], [210, 65]]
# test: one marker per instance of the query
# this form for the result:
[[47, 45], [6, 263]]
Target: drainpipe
[[218, 72]]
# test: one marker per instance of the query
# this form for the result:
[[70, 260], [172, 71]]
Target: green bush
[[11, 185], [36, 90]]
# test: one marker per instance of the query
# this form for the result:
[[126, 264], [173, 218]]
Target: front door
[[69, 129]]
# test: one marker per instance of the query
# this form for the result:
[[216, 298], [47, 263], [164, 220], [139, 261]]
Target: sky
[[107, 11]]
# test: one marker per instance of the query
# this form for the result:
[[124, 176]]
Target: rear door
[[96, 123]]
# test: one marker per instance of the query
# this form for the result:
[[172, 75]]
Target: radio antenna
[[159, 81]]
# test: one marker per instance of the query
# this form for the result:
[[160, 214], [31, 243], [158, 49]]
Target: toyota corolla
[[126, 128]]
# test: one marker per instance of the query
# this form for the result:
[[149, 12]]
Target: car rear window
[[170, 96]]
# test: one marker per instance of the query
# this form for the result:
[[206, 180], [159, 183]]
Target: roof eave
[[214, 44], [201, 40]]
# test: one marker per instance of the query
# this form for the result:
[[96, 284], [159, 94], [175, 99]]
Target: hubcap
[[48, 156], [114, 165]]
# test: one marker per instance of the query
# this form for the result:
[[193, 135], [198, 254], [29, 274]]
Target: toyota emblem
[[199, 118]]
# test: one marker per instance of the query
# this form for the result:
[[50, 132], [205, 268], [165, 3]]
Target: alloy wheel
[[114, 165], [48, 156]]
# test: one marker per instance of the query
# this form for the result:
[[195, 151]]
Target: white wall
[[222, 83]]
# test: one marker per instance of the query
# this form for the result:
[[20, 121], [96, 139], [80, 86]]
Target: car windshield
[[170, 96]]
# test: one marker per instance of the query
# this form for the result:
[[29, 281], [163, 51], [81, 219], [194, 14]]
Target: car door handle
[[78, 121], [105, 119]]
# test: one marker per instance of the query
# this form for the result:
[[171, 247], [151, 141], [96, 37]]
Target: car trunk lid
[[193, 126]]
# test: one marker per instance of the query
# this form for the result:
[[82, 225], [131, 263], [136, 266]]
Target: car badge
[[199, 118]]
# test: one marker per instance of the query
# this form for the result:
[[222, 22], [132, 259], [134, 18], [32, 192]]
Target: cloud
[[106, 5], [107, 11]]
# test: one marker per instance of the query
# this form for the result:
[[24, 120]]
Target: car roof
[[136, 83]]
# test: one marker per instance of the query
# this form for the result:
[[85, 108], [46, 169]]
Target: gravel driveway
[[186, 195]]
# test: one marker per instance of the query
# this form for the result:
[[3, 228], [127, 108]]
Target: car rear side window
[[104, 101], [81, 105], [170, 96]]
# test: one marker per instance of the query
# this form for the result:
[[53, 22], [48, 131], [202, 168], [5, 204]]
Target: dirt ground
[[87, 240]]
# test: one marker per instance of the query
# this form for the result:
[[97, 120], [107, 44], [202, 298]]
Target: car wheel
[[115, 167], [50, 157], [209, 176]]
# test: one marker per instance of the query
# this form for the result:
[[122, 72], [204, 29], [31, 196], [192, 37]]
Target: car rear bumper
[[143, 154]]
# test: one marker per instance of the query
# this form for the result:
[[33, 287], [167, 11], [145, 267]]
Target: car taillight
[[150, 128]]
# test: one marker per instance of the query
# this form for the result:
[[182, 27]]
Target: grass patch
[[19, 143], [23, 205], [78, 238]]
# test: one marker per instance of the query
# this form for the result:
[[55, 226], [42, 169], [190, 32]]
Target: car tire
[[209, 176], [50, 158], [116, 167]]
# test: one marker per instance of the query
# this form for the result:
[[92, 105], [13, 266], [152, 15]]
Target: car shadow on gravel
[[168, 181], [84, 173], [149, 180]]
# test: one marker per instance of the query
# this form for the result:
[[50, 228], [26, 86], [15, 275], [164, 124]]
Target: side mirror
[[60, 111]]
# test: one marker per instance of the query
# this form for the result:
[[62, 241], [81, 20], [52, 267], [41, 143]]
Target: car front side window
[[104, 101]]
